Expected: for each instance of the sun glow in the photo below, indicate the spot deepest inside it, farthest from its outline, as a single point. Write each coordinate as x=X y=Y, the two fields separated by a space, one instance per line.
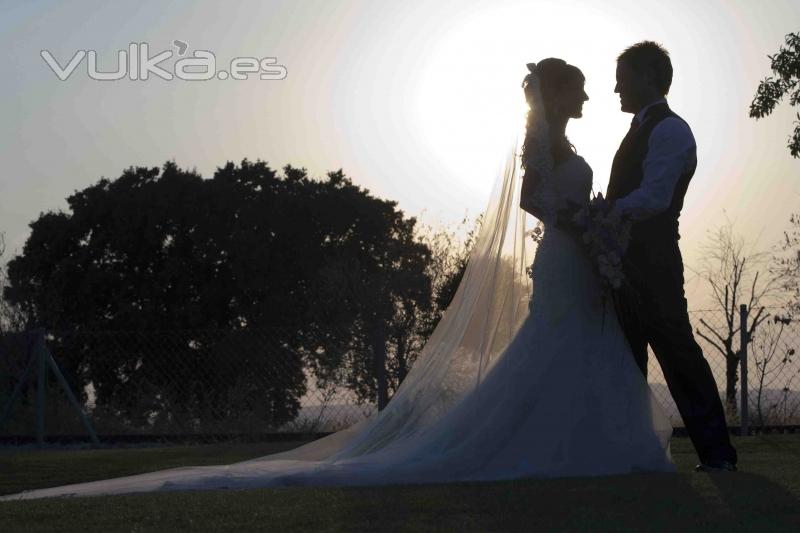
x=470 y=104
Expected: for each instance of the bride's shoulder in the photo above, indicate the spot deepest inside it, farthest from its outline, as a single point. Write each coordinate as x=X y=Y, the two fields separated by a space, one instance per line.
x=579 y=157
x=581 y=165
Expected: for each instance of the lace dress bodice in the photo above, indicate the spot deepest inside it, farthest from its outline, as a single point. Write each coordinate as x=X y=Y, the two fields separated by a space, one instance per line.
x=572 y=180
x=561 y=267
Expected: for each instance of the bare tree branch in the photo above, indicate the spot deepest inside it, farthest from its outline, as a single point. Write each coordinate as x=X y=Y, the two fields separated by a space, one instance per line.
x=731 y=268
x=714 y=344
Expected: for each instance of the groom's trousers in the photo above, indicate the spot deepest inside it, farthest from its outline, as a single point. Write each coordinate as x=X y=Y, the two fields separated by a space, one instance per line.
x=652 y=310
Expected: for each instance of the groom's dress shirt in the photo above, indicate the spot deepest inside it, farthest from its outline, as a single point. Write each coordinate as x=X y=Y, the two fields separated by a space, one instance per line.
x=671 y=151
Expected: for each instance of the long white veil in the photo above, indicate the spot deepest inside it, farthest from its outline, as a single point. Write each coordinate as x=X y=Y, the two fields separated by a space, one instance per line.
x=490 y=304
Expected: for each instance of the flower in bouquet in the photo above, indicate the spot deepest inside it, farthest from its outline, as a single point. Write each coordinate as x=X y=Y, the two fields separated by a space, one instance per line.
x=536 y=234
x=606 y=236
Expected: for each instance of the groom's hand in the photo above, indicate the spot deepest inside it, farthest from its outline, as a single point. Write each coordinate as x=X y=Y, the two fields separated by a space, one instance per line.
x=616 y=212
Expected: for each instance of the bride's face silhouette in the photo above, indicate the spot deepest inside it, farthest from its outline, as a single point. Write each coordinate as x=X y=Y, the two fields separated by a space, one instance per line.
x=570 y=99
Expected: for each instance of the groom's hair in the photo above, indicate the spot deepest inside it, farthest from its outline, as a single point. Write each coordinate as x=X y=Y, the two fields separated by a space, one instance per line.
x=650 y=55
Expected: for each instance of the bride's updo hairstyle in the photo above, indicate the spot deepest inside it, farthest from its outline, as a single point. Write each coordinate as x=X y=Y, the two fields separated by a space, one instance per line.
x=553 y=75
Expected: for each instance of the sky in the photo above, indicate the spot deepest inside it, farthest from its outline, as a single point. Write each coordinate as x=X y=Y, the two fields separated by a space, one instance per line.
x=417 y=101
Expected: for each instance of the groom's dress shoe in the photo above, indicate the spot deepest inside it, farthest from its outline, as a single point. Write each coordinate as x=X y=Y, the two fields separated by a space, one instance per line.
x=716 y=466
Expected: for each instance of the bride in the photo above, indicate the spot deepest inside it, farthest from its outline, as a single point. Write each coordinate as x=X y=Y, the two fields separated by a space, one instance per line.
x=524 y=376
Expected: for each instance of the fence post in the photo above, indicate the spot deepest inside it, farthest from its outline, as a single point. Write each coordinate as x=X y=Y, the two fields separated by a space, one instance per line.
x=745 y=422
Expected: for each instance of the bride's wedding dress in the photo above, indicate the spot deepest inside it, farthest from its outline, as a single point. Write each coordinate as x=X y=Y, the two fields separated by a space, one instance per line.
x=555 y=393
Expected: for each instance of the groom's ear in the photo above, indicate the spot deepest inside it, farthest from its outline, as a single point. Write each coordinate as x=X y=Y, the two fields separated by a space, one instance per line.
x=649 y=76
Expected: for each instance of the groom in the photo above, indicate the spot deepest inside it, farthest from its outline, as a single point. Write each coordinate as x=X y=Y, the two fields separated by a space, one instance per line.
x=649 y=177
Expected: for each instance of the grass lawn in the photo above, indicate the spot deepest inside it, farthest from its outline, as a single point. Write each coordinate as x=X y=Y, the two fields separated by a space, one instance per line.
x=763 y=496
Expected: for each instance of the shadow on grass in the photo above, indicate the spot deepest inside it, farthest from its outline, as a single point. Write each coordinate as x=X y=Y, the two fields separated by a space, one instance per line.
x=660 y=502
x=755 y=498
x=640 y=501
x=765 y=496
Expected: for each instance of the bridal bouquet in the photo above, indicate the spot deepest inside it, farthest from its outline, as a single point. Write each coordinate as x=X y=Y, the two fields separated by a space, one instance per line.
x=606 y=237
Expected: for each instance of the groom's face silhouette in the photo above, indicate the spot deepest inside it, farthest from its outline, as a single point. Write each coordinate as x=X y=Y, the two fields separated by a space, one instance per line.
x=636 y=88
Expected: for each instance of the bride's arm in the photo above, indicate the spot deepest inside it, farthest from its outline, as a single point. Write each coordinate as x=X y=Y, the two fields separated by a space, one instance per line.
x=527 y=200
x=534 y=199
x=534 y=202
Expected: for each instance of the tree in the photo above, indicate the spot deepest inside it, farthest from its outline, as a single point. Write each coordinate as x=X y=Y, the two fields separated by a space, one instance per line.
x=164 y=250
x=385 y=306
x=772 y=357
x=732 y=272
x=13 y=344
x=413 y=324
x=4 y=326
x=785 y=266
x=150 y=251
x=416 y=310
x=786 y=66
x=11 y=317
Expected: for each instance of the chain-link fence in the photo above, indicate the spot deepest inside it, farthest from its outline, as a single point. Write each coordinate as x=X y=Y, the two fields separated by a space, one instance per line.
x=168 y=384
x=772 y=379
x=254 y=381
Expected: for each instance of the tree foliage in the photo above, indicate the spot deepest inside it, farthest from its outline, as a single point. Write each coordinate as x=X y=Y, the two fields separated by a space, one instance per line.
x=340 y=271
x=786 y=67
x=382 y=356
x=11 y=318
x=785 y=265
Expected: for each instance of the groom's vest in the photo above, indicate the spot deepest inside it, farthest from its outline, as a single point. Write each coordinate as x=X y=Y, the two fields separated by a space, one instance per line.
x=627 y=174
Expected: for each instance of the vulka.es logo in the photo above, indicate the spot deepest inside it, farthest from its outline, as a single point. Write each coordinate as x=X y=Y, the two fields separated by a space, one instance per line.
x=136 y=63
